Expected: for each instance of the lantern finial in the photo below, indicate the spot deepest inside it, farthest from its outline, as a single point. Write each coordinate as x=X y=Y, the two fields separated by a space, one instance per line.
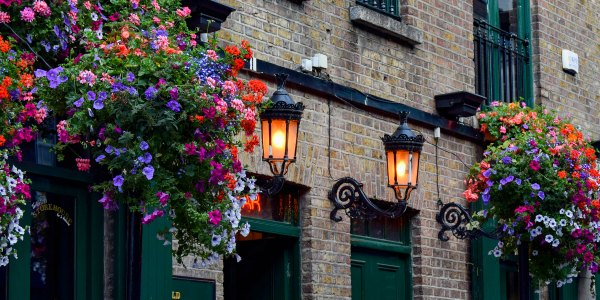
x=403 y=117
x=281 y=78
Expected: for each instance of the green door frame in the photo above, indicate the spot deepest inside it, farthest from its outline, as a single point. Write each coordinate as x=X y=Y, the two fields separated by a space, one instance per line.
x=88 y=243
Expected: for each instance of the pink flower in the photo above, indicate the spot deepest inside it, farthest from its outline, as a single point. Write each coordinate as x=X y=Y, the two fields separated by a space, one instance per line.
x=214 y=217
x=41 y=8
x=162 y=198
x=212 y=54
x=150 y=217
x=184 y=12
x=87 y=5
x=133 y=18
x=502 y=129
x=535 y=165
x=4 y=17
x=27 y=14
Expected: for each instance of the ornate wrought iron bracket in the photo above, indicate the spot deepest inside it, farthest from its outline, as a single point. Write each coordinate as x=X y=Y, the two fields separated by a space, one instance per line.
x=347 y=194
x=455 y=217
x=273 y=185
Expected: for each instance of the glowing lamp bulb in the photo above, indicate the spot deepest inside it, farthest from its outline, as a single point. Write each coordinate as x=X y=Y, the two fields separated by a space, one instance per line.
x=278 y=140
x=401 y=169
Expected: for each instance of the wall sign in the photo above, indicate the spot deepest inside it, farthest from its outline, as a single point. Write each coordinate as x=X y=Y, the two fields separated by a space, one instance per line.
x=570 y=62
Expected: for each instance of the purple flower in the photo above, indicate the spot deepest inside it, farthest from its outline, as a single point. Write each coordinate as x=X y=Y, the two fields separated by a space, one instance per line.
x=150 y=93
x=130 y=77
x=486 y=198
x=507 y=160
x=174 y=92
x=174 y=106
x=148 y=171
x=541 y=195
x=40 y=73
x=100 y=158
x=118 y=181
x=132 y=91
x=518 y=181
x=91 y=96
x=506 y=180
x=535 y=186
x=217 y=174
x=146 y=158
x=102 y=96
x=79 y=102
x=144 y=145
x=109 y=149
x=108 y=203
x=98 y=105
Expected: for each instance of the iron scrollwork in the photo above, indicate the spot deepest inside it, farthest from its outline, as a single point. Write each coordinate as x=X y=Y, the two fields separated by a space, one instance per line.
x=455 y=217
x=347 y=194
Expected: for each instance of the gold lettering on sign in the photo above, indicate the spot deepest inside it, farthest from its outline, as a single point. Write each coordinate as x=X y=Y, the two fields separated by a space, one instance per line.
x=175 y=295
x=60 y=212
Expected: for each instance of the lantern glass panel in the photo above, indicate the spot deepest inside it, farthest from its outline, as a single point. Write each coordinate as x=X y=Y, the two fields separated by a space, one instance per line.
x=415 y=168
x=397 y=167
x=274 y=138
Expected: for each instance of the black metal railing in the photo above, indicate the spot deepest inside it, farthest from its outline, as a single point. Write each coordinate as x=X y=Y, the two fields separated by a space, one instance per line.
x=389 y=7
x=501 y=60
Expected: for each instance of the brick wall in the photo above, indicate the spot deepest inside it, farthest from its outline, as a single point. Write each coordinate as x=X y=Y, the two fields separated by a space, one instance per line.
x=575 y=26
x=283 y=33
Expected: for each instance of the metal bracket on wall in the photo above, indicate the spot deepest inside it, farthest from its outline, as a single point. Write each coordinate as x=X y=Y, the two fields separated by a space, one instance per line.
x=456 y=218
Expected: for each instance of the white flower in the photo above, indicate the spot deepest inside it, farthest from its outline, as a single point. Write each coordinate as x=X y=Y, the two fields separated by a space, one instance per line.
x=12 y=239
x=94 y=16
x=552 y=223
x=569 y=214
x=3 y=261
x=238 y=258
x=2 y=191
x=539 y=218
x=559 y=283
x=216 y=240
x=11 y=182
x=549 y=238
x=534 y=252
x=497 y=252
x=563 y=222
x=555 y=243
x=546 y=219
x=562 y=211
x=246 y=230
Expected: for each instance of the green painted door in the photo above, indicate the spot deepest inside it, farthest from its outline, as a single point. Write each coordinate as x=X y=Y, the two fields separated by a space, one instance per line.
x=61 y=258
x=379 y=275
x=193 y=289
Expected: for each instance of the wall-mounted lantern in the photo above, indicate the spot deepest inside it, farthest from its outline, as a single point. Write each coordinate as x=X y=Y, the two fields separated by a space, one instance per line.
x=403 y=151
x=279 y=125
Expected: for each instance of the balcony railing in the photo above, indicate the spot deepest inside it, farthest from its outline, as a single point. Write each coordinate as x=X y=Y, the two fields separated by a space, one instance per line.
x=501 y=60
x=389 y=7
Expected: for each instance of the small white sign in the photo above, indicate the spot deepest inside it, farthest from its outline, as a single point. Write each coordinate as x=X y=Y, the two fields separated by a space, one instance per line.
x=570 y=62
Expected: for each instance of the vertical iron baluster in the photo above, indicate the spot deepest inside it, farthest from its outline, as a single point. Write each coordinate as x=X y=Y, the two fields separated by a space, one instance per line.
x=511 y=75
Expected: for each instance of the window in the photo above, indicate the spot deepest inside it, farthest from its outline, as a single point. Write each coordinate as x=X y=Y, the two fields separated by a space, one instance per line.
x=502 y=50
x=389 y=7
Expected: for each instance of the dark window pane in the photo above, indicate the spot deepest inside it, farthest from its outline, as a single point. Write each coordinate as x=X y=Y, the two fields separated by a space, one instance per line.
x=52 y=247
x=282 y=207
x=507 y=10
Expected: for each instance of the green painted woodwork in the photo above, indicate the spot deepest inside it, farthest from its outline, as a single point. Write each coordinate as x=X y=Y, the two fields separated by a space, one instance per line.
x=192 y=289
x=566 y=292
x=523 y=32
x=274 y=227
x=381 y=268
x=87 y=242
x=155 y=279
x=381 y=275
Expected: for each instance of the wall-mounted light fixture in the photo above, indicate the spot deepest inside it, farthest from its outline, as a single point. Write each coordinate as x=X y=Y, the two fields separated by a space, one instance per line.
x=279 y=125
x=402 y=151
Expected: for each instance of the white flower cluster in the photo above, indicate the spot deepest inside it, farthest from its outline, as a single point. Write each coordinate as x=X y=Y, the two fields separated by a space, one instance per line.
x=10 y=213
x=224 y=233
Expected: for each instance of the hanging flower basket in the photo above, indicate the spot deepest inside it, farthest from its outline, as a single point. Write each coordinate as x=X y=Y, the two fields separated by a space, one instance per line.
x=160 y=114
x=539 y=182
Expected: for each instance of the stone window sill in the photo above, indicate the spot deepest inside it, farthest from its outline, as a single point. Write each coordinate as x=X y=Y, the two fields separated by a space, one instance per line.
x=385 y=25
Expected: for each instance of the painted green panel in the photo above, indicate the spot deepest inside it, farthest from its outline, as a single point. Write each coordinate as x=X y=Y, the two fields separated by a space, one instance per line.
x=192 y=289
x=155 y=280
x=272 y=227
x=18 y=269
x=380 y=275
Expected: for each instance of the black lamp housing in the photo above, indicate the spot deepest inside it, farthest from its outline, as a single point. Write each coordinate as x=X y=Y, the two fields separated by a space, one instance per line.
x=403 y=149
x=280 y=124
